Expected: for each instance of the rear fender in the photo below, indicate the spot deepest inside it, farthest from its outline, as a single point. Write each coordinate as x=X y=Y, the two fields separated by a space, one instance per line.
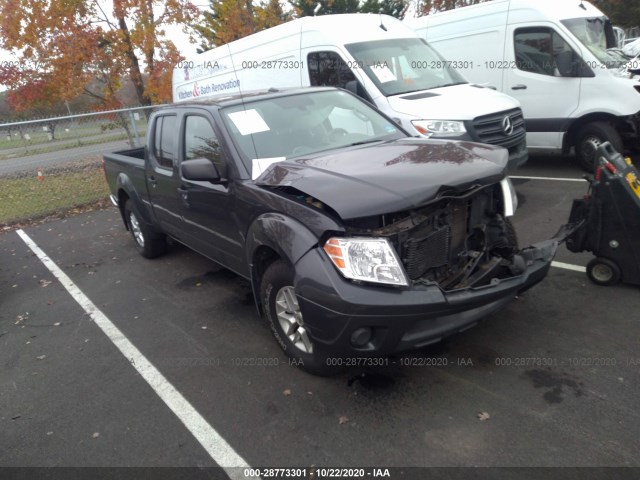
x=127 y=191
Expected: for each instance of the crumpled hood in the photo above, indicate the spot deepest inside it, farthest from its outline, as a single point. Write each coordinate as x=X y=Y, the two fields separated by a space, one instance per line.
x=459 y=102
x=391 y=177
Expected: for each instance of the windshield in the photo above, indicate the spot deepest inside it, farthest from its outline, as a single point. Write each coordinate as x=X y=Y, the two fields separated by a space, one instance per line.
x=598 y=36
x=404 y=65
x=284 y=127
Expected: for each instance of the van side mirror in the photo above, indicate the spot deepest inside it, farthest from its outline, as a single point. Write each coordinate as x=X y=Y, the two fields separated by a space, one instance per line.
x=200 y=170
x=571 y=65
x=355 y=87
x=564 y=62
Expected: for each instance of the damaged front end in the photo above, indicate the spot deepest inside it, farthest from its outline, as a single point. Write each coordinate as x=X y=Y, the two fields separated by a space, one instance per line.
x=456 y=241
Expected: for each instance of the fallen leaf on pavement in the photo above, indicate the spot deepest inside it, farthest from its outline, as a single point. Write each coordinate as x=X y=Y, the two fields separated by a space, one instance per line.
x=483 y=416
x=286 y=392
x=343 y=419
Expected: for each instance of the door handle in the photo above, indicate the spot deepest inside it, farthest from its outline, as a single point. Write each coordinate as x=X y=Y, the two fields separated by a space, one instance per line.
x=519 y=87
x=184 y=196
x=152 y=181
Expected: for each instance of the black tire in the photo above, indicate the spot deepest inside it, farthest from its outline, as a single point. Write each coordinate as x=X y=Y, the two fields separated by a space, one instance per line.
x=276 y=288
x=590 y=137
x=148 y=243
x=604 y=272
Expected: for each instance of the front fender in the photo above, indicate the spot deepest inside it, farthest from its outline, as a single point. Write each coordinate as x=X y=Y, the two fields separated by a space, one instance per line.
x=287 y=237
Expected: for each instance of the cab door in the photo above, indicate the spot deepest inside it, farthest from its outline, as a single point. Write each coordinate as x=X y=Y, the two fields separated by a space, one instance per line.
x=162 y=176
x=543 y=73
x=208 y=209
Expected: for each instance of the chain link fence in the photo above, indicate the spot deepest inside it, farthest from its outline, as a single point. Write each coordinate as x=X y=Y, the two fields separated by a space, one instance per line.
x=52 y=165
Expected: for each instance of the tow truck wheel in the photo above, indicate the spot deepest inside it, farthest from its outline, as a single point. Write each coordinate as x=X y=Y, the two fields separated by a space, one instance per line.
x=603 y=271
x=282 y=312
x=590 y=137
x=148 y=244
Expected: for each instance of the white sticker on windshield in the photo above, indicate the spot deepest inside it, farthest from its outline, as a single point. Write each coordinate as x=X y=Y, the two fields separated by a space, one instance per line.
x=248 y=122
x=383 y=73
x=259 y=165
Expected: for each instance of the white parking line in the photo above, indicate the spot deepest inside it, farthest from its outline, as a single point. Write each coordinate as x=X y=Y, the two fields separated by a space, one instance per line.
x=220 y=451
x=568 y=266
x=549 y=178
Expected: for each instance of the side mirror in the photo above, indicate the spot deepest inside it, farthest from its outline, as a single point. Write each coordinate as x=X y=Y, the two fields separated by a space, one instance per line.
x=200 y=170
x=564 y=62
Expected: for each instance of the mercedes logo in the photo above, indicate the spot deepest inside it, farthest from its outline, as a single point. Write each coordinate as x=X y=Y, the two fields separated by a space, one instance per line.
x=507 y=126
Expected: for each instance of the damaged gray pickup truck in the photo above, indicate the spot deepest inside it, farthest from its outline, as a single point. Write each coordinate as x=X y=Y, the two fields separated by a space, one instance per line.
x=359 y=241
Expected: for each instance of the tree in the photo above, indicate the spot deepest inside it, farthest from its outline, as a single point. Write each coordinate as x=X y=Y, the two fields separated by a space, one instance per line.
x=623 y=14
x=65 y=45
x=230 y=20
x=395 y=8
x=307 y=8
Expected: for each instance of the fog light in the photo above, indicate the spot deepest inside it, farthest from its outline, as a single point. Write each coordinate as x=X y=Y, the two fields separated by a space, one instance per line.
x=361 y=336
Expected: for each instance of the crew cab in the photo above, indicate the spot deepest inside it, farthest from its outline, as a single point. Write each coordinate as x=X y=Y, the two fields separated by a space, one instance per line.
x=358 y=239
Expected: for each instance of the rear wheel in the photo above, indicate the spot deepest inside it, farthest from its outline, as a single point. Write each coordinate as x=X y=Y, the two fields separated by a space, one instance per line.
x=603 y=271
x=283 y=314
x=590 y=137
x=148 y=243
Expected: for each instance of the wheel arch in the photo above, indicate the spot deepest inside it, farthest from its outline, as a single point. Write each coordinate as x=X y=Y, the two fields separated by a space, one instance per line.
x=273 y=237
x=127 y=191
x=577 y=125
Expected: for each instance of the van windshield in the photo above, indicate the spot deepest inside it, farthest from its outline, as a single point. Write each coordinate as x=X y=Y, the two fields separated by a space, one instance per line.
x=282 y=127
x=404 y=65
x=597 y=35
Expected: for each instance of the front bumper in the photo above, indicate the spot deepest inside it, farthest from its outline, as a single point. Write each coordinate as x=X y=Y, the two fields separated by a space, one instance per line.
x=334 y=308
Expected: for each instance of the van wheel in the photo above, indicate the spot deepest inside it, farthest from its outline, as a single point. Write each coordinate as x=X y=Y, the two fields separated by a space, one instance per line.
x=283 y=314
x=590 y=137
x=603 y=271
x=148 y=244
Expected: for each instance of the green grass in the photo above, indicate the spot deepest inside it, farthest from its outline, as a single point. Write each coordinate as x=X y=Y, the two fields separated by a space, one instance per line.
x=28 y=198
x=40 y=137
x=67 y=146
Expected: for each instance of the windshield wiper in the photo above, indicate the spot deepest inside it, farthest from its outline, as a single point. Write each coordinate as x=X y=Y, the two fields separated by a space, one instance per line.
x=363 y=142
x=449 y=85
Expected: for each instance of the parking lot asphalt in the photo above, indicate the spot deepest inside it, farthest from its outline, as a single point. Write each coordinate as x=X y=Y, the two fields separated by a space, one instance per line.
x=552 y=380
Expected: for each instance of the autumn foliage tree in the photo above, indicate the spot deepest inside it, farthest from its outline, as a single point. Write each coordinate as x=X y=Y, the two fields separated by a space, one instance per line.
x=229 y=20
x=70 y=47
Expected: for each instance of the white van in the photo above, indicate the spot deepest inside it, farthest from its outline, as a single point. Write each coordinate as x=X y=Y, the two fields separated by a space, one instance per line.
x=374 y=56
x=552 y=56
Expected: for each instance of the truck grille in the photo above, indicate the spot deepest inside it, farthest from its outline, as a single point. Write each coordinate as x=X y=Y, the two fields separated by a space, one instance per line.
x=491 y=128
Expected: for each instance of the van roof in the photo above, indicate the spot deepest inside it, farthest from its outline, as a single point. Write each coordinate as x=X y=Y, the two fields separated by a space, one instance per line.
x=544 y=9
x=338 y=29
x=229 y=100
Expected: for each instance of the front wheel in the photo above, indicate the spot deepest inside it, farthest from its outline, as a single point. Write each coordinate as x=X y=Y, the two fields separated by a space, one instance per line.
x=590 y=137
x=148 y=244
x=603 y=271
x=283 y=314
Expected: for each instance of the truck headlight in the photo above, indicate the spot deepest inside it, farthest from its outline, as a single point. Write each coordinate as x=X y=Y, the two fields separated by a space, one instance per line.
x=509 y=197
x=366 y=259
x=439 y=128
